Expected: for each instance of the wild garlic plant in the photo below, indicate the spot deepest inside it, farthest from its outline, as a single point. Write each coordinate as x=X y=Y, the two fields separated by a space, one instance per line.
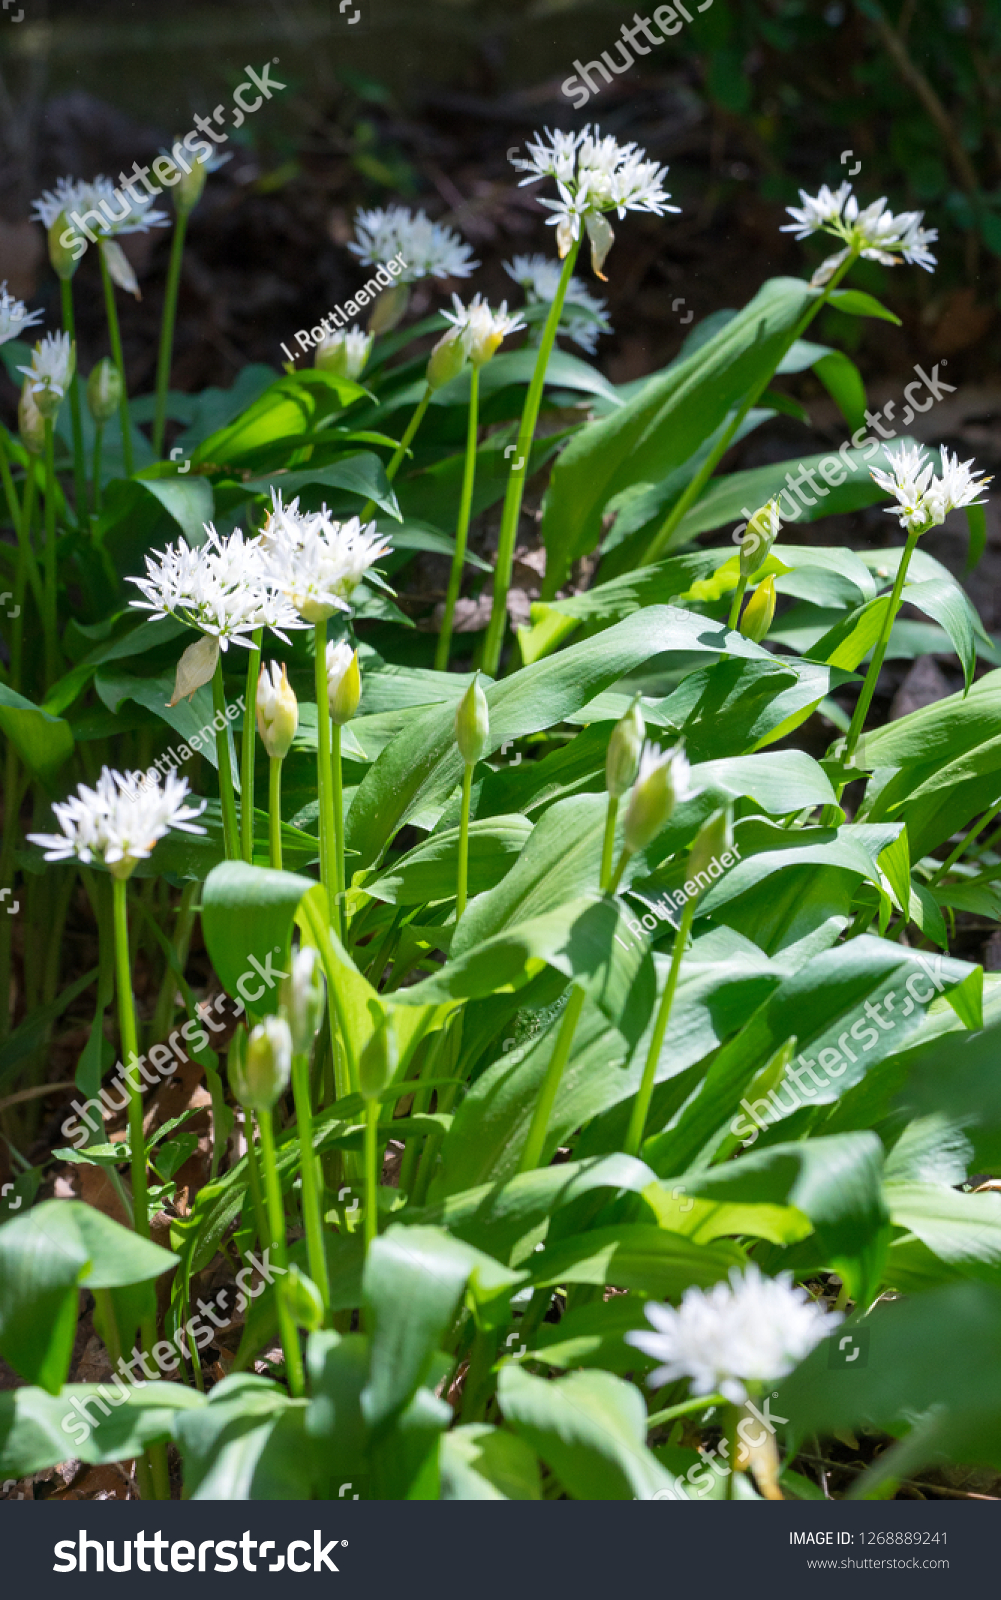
x=552 y=966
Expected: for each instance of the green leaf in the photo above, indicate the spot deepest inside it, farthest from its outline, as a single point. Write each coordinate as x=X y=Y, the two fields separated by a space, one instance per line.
x=963 y=1229
x=659 y=428
x=188 y=500
x=291 y=406
x=843 y=382
x=479 y=1462
x=428 y=872
x=976 y=521
x=589 y=1429
x=247 y=915
x=37 y=1428
x=635 y=1256
x=28 y=1035
x=856 y=303
x=362 y=475
x=246 y=1443
x=43 y=742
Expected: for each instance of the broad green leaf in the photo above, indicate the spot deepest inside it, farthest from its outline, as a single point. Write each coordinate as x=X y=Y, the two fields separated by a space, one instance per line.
x=37 y=1428
x=856 y=303
x=479 y=1462
x=428 y=872
x=43 y=742
x=246 y=1443
x=361 y=475
x=589 y=1429
x=291 y=406
x=247 y=915
x=963 y=1229
x=635 y=1256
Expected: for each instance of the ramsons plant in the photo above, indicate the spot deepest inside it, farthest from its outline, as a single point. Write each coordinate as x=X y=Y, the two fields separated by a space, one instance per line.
x=577 y=1097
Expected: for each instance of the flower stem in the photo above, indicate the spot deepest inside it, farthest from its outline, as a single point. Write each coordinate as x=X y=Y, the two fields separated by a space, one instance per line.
x=275 y=811
x=324 y=782
x=130 y=1055
x=738 y=595
x=641 y=1105
x=402 y=447
x=964 y=844
x=256 y=1187
x=20 y=516
x=519 y=474
x=624 y=860
x=114 y=335
x=661 y=540
x=227 y=799
x=96 y=468
x=312 y=1211
x=249 y=750
x=462 y=526
x=276 y=1216
x=371 y=1171
x=869 y=686
x=337 y=797
x=535 y=1143
x=608 y=844
x=462 y=873
x=49 y=613
x=167 y=330
x=79 y=469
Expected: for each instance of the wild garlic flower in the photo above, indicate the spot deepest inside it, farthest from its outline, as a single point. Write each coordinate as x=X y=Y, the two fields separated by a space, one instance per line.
x=118 y=210
x=874 y=233
x=222 y=588
x=344 y=352
x=120 y=819
x=315 y=562
x=14 y=317
x=539 y=276
x=924 y=501
x=482 y=331
x=51 y=372
x=750 y=1330
x=429 y=249
x=593 y=175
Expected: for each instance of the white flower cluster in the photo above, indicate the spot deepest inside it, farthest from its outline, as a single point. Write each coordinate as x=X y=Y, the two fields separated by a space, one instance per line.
x=429 y=249
x=874 y=233
x=750 y=1330
x=314 y=562
x=924 y=501
x=593 y=175
x=222 y=588
x=539 y=276
x=52 y=364
x=481 y=329
x=14 y=317
x=120 y=820
x=125 y=213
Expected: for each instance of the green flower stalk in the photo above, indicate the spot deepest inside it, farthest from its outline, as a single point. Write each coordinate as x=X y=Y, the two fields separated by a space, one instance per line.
x=531 y=1155
x=277 y=722
x=259 y=1070
x=49 y=377
x=187 y=190
x=104 y=395
x=482 y=332
x=376 y=1068
x=249 y=750
x=227 y=794
x=115 y=337
x=713 y=840
x=303 y=997
x=343 y=698
x=472 y=735
x=64 y=264
x=622 y=763
x=923 y=502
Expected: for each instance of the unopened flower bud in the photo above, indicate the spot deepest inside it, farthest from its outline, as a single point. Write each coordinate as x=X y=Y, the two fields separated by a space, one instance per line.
x=602 y=237
x=104 y=390
x=64 y=261
x=303 y=994
x=345 y=354
x=389 y=309
x=759 y=611
x=303 y=1299
x=343 y=682
x=713 y=840
x=472 y=723
x=624 y=750
x=277 y=710
x=260 y=1066
x=663 y=780
x=378 y=1062
x=759 y=536
x=30 y=423
x=189 y=188
x=447 y=359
